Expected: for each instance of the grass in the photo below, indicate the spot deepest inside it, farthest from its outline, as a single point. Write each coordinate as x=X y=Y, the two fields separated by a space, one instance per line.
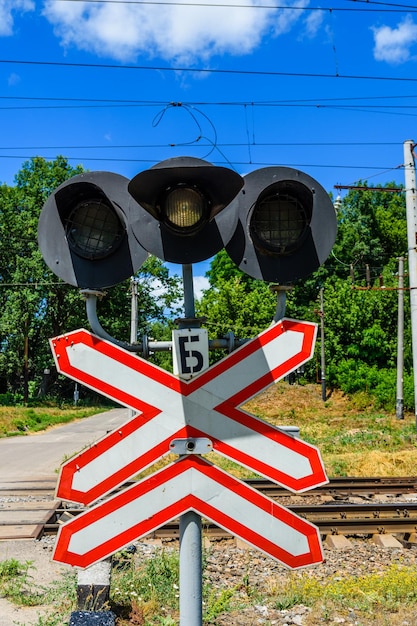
x=20 y=420
x=145 y=592
x=373 y=598
x=18 y=586
x=354 y=439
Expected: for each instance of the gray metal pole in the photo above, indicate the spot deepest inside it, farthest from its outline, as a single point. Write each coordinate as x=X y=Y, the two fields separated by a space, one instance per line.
x=191 y=598
x=411 y=207
x=133 y=319
x=191 y=576
x=133 y=310
x=323 y=356
x=399 y=405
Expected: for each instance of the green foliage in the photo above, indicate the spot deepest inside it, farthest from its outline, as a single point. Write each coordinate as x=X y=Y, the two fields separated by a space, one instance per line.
x=16 y=583
x=230 y=306
x=354 y=375
x=360 y=322
x=372 y=227
x=10 y=569
x=35 y=305
x=388 y=590
x=153 y=581
x=18 y=586
x=218 y=602
x=19 y=420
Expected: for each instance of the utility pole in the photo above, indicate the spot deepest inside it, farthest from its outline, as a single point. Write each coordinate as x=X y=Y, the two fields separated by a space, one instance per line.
x=133 y=319
x=133 y=310
x=411 y=208
x=323 y=357
x=399 y=405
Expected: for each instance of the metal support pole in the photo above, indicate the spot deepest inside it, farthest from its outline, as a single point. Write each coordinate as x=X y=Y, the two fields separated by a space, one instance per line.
x=281 y=292
x=191 y=600
x=411 y=207
x=191 y=577
x=133 y=310
x=323 y=356
x=399 y=405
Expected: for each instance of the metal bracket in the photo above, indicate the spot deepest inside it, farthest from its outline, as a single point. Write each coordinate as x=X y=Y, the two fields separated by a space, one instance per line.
x=200 y=445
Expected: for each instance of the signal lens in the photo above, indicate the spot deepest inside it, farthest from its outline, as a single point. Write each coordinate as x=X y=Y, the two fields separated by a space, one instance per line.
x=279 y=221
x=184 y=208
x=93 y=229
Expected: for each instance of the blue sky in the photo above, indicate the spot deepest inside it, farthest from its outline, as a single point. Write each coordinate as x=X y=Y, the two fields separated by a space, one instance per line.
x=330 y=89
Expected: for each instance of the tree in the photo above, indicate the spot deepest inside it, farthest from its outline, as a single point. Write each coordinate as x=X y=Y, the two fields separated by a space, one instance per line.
x=27 y=287
x=235 y=301
x=35 y=305
x=372 y=229
x=360 y=322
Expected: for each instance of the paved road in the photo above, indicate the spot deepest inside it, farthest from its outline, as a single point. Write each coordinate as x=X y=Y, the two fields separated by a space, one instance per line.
x=40 y=455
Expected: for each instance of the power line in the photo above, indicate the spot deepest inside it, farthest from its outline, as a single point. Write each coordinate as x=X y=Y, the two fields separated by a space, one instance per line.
x=393 y=109
x=228 y=72
x=254 y=144
x=245 y=163
x=255 y=103
x=385 y=4
x=394 y=8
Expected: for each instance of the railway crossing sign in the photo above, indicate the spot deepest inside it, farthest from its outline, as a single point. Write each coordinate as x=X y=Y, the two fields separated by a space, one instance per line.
x=169 y=409
x=206 y=406
x=189 y=484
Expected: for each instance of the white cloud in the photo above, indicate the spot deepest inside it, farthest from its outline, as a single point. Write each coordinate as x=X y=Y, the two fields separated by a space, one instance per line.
x=286 y=18
x=200 y=284
x=313 y=23
x=183 y=34
x=7 y=9
x=393 y=45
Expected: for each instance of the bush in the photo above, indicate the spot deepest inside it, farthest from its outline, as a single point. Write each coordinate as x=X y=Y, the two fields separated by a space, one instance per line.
x=354 y=376
x=10 y=399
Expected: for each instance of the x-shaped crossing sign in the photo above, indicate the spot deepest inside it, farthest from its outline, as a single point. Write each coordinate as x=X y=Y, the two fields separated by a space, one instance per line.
x=169 y=408
x=189 y=484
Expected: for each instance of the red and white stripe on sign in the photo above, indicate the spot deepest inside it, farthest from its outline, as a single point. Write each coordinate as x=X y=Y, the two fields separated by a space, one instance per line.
x=206 y=406
x=189 y=484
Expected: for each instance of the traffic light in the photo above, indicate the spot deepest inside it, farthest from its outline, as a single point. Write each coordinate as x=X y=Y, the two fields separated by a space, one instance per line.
x=277 y=224
x=85 y=233
x=184 y=198
x=286 y=225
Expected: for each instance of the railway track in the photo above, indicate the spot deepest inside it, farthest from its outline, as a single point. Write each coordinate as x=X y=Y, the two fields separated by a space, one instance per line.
x=346 y=506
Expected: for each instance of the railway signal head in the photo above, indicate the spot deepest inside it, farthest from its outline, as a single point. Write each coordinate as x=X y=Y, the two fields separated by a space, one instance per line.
x=286 y=225
x=277 y=224
x=85 y=234
x=184 y=199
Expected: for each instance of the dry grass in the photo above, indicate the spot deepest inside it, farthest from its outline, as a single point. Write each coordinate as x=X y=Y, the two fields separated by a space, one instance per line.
x=354 y=439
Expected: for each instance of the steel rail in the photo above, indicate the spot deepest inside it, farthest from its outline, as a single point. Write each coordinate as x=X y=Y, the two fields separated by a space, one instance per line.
x=332 y=517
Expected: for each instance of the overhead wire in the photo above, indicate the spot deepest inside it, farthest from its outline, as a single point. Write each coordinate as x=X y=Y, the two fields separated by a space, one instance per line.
x=198 y=70
x=149 y=103
x=385 y=4
x=362 y=104
x=236 y=162
x=393 y=8
x=253 y=143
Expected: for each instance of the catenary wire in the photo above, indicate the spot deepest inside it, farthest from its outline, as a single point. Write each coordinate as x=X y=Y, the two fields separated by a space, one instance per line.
x=389 y=7
x=197 y=70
